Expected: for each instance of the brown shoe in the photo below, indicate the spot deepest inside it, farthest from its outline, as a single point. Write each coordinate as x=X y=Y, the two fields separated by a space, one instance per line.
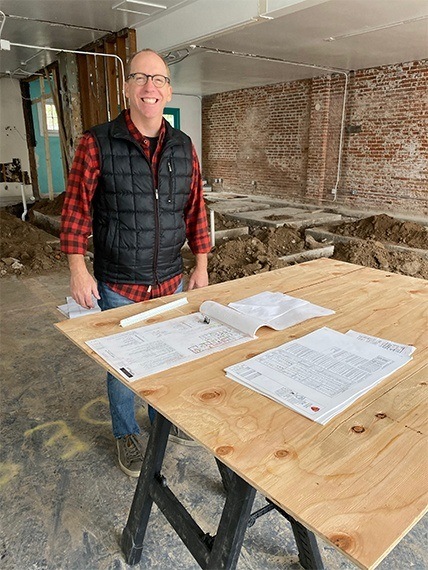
x=130 y=451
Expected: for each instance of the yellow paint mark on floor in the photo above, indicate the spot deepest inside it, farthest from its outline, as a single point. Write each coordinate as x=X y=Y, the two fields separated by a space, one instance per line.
x=84 y=412
x=7 y=472
x=72 y=445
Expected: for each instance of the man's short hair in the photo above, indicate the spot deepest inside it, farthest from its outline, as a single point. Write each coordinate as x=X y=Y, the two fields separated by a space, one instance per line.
x=131 y=57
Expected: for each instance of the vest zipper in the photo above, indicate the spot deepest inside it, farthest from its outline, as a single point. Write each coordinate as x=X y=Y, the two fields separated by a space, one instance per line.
x=170 y=182
x=156 y=252
x=156 y=192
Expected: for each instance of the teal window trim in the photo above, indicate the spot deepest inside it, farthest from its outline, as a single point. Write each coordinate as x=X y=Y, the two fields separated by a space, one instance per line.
x=175 y=113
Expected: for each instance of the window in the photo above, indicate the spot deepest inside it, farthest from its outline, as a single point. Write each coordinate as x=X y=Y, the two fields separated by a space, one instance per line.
x=51 y=118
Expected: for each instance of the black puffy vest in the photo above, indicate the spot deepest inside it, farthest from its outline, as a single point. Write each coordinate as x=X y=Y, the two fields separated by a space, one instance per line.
x=139 y=230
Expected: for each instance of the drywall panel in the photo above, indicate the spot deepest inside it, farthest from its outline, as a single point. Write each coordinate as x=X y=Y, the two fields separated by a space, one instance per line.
x=13 y=142
x=190 y=118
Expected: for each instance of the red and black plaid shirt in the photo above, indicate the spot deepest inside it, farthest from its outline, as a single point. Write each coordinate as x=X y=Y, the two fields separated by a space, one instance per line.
x=77 y=219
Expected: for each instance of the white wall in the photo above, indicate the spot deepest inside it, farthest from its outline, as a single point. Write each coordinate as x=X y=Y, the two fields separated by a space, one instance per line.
x=190 y=118
x=13 y=142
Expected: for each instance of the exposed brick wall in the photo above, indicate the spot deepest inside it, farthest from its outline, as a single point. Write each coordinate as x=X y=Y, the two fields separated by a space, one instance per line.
x=259 y=135
x=285 y=138
x=386 y=164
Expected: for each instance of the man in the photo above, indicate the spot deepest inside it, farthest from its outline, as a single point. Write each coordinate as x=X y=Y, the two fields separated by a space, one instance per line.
x=135 y=183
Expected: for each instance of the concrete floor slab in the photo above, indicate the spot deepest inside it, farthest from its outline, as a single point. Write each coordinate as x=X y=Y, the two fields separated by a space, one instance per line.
x=289 y=217
x=321 y=234
x=231 y=233
x=308 y=254
x=230 y=206
x=219 y=196
x=64 y=499
x=51 y=223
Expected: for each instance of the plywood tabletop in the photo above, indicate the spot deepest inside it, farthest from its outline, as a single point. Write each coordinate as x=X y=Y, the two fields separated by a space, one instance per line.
x=360 y=481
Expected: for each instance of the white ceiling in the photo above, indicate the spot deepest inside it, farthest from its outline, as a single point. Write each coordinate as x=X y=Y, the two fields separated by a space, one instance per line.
x=343 y=34
x=67 y=24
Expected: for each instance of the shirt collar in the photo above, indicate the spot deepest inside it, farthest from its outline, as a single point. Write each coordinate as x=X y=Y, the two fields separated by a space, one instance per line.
x=141 y=139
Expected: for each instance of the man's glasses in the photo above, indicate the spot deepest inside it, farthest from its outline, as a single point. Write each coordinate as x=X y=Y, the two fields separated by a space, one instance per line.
x=142 y=78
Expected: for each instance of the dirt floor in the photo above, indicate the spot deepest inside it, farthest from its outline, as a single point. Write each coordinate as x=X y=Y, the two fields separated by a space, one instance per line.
x=370 y=251
x=386 y=229
x=25 y=249
x=262 y=250
x=247 y=255
x=50 y=207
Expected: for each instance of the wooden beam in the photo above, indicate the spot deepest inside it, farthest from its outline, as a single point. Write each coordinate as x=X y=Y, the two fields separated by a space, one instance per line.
x=30 y=135
x=122 y=53
x=112 y=79
x=46 y=140
x=82 y=64
x=101 y=85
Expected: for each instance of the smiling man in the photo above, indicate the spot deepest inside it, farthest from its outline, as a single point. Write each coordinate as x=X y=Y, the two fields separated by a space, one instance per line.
x=135 y=184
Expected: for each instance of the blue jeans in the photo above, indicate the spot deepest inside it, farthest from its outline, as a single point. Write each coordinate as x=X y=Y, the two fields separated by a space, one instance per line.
x=121 y=398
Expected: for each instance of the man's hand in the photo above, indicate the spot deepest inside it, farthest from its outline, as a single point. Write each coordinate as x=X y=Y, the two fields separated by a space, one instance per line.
x=199 y=277
x=82 y=284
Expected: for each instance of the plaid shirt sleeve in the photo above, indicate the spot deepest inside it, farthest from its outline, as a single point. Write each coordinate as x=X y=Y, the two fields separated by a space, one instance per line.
x=76 y=220
x=195 y=212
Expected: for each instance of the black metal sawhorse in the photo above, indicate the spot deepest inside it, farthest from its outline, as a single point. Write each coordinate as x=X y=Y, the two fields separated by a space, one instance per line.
x=219 y=552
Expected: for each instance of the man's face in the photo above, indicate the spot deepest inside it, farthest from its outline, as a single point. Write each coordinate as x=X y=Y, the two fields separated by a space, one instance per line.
x=147 y=100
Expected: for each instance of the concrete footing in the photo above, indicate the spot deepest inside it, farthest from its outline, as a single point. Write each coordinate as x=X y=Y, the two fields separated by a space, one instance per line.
x=288 y=217
x=321 y=234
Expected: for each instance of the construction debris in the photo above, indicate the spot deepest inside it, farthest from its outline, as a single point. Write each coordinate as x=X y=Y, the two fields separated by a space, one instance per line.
x=26 y=249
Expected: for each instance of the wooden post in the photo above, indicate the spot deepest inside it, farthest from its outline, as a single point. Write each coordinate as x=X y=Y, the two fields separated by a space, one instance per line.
x=112 y=74
x=46 y=138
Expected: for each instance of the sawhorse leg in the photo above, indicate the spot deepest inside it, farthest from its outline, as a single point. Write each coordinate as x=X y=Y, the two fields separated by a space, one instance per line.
x=220 y=552
x=135 y=530
x=212 y=553
x=309 y=554
x=233 y=524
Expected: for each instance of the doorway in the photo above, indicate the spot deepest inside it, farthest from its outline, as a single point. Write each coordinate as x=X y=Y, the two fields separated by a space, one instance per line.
x=51 y=173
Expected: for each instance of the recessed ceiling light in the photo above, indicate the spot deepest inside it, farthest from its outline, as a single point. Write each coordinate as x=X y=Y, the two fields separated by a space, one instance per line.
x=138 y=2
x=132 y=11
x=160 y=6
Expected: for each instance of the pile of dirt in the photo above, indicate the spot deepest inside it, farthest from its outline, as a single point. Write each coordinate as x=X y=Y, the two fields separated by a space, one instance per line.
x=248 y=255
x=25 y=249
x=223 y=223
x=384 y=228
x=50 y=207
x=280 y=241
x=372 y=253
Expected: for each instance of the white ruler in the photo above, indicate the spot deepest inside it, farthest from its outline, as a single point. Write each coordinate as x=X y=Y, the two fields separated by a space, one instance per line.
x=153 y=312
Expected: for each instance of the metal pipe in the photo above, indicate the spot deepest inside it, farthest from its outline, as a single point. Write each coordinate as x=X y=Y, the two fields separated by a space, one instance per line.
x=342 y=130
x=298 y=64
x=212 y=227
x=24 y=202
x=60 y=50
